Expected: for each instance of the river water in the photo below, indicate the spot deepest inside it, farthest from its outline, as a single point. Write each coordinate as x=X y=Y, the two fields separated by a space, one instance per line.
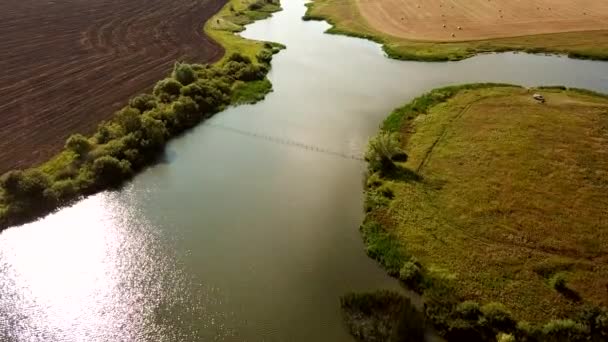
x=248 y=229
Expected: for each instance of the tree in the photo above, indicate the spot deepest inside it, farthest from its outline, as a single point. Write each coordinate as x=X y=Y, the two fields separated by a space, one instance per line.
x=187 y=112
x=79 y=144
x=111 y=171
x=143 y=102
x=183 y=73
x=129 y=119
x=167 y=90
x=383 y=150
x=154 y=132
x=237 y=57
x=25 y=186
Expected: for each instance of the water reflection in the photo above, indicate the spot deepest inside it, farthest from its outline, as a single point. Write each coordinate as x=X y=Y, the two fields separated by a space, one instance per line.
x=96 y=272
x=240 y=234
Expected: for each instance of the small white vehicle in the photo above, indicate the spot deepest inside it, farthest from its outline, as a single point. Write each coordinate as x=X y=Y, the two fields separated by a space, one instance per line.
x=539 y=98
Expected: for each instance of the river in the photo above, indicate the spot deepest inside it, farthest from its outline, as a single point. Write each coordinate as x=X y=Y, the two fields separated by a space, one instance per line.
x=248 y=228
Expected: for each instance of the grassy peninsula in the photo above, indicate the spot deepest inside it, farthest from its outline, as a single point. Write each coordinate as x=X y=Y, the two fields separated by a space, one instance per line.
x=346 y=19
x=137 y=134
x=492 y=205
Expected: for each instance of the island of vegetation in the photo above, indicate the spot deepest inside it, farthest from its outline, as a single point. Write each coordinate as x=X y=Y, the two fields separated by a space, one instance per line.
x=440 y=30
x=490 y=203
x=136 y=135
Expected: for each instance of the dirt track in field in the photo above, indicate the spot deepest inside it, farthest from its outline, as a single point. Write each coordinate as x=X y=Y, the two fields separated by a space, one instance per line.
x=66 y=65
x=482 y=19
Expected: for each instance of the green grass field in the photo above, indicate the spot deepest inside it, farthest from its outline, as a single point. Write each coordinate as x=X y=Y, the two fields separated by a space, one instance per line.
x=345 y=18
x=232 y=18
x=511 y=197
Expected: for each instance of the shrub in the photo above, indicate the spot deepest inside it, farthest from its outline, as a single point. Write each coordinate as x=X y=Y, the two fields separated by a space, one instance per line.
x=187 y=113
x=558 y=282
x=502 y=337
x=111 y=171
x=386 y=191
x=469 y=310
x=373 y=181
x=381 y=150
x=564 y=330
x=103 y=134
x=255 y=6
x=79 y=144
x=527 y=332
x=264 y=56
x=242 y=71
x=210 y=96
x=601 y=324
x=383 y=248
x=498 y=317
x=64 y=189
x=154 y=133
x=237 y=57
x=183 y=73
x=167 y=90
x=26 y=186
x=410 y=274
x=382 y=316
x=143 y=102
x=129 y=119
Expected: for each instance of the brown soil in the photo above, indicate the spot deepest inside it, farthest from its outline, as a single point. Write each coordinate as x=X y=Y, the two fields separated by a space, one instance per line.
x=69 y=64
x=482 y=19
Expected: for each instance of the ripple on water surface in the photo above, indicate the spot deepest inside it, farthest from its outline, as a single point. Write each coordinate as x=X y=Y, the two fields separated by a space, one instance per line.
x=105 y=276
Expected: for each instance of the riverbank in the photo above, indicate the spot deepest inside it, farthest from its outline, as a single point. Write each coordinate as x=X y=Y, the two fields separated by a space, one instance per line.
x=346 y=18
x=495 y=214
x=136 y=135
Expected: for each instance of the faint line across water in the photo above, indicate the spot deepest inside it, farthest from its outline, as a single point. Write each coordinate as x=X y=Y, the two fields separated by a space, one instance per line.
x=287 y=142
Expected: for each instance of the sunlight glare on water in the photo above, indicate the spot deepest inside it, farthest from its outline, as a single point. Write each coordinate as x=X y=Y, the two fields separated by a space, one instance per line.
x=247 y=230
x=95 y=273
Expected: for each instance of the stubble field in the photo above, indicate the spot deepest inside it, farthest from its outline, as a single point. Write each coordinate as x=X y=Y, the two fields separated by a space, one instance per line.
x=482 y=19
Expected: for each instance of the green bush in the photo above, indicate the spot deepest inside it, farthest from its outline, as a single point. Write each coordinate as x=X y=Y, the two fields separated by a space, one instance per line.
x=144 y=102
x=154 y=133
x=237 y=57
x=64 y=190
x=381 y=150
x=187 y=113
x=183 y=73
x=410 y=274
x=374 y=181
x=502 y=337
x=25 y=186
x=79 y=144
x=469 y=310
x=167 y=90
x=498 y=317
x=110 y=171
x=383 y=248
x=386 y=191
x=129 y=119
x=264 y=56
x=564 y=331
x=382 y=316
x=558 y=282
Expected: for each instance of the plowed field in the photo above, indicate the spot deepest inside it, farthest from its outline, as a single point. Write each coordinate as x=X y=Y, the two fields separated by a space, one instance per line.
x=66 y=65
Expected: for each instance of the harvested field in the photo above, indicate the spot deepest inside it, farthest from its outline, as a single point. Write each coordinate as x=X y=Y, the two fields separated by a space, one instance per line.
x=482 y=19
x=576 y=28
x=67 y=65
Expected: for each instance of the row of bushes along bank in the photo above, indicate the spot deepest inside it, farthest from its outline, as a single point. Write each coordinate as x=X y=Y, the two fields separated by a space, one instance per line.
x=134 y=137
x=455 y=319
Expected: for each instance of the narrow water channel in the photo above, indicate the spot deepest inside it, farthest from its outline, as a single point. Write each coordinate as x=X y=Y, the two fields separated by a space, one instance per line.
x=248 y=230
